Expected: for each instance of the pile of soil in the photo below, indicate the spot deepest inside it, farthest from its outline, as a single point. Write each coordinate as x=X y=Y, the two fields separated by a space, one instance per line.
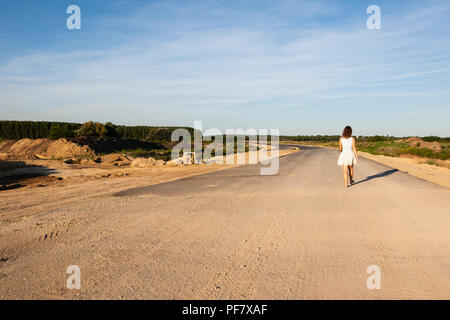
x=24 y=148
x=419 y=143
x=43 y=149
x=63 y=148
x=116 y=159
x=146 y=162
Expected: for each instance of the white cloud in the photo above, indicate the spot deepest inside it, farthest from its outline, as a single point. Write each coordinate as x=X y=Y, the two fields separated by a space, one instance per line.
x=208 y=66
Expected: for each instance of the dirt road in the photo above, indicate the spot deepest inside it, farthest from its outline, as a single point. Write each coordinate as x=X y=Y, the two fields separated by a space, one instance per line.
x=234 y=234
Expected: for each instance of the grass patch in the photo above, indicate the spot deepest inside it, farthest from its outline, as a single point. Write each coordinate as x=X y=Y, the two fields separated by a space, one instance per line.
x=385 y=148
x=395 y=149
x=427 y=153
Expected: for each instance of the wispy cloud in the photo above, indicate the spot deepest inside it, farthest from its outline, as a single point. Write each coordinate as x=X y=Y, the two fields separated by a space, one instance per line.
x=175 y=63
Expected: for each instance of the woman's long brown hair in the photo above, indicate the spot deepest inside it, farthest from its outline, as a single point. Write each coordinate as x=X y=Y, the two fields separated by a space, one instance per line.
x=347 y=133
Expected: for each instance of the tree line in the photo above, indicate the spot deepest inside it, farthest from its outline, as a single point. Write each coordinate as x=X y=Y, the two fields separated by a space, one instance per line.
x=334 y=138
x=321 y=138
x=376 y=138
x=56 y=130
x=34 y=129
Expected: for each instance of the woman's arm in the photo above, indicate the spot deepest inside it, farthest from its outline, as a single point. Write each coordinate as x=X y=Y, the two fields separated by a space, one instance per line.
x=340 y=145
x=354 y=148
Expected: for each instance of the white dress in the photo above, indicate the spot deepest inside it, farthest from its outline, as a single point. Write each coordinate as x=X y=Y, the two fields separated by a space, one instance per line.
x=347 y=156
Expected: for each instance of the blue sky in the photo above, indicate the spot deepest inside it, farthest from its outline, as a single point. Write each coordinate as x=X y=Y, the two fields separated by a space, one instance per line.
x=305 y=67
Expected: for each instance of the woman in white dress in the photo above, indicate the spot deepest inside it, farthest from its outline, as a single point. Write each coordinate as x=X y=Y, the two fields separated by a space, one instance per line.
x=349 y=155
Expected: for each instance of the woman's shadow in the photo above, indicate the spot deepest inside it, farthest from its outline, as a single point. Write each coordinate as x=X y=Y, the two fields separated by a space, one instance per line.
x=378 y=175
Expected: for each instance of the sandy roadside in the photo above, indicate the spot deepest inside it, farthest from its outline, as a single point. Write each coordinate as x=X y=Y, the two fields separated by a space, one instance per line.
x=69 y=185
x=432 y=173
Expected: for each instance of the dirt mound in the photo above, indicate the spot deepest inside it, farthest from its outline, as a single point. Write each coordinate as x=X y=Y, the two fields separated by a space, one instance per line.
x=116 y=159
x=146 y=162
x=187 y=158
x=25 y=148
x=63 y=148
x=43 y=148
x=419 y=143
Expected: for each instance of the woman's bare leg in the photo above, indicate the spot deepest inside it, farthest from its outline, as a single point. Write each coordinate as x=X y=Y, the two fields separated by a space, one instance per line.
x=345 y=169
x=351 y=174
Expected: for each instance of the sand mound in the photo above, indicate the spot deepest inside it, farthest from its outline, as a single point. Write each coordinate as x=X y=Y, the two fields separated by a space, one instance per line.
x=187 y=158
x=116 y=159
x=43 y=148
x=419 y=143
x=144 y=162
x=63 y=148
x=25 y=148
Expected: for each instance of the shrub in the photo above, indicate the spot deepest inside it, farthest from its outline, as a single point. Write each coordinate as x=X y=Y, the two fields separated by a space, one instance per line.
x=427 y=153
x=434 y=138
x=92 y=129
x=110 y=130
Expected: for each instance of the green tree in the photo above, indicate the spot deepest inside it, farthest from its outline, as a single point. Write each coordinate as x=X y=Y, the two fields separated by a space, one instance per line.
x=92 y=129
x=60 y=131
